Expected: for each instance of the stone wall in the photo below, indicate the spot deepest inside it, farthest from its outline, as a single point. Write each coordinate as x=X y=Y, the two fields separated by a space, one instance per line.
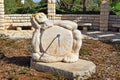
x=93 y=19
x=113 y=19
x=16 y=18
x=22 y=18
x=79 y=18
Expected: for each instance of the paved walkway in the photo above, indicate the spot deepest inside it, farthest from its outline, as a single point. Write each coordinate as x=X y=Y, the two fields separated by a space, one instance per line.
x=13 y=34
x=97 y=35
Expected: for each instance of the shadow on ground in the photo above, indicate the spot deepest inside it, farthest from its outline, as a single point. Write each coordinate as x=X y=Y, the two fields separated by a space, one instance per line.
x=19 y=60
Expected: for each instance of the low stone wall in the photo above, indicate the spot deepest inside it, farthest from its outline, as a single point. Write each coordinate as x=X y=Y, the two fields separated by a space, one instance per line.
x=22 y=18
x=93 y=19
x=114 y=19
x=16 y=18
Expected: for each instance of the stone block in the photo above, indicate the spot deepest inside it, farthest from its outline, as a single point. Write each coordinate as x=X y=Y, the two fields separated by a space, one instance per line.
x=16 y=20
x=9 y=21
x=57 y=18
x=23 y=20
x=1 y=1
x=51 y=6
x=79 y=70
x=51 y=14
x=51 y=11
x=1 y=6
x=1 y=13
x=2 y=10
x=19 y=28
x=7 y=18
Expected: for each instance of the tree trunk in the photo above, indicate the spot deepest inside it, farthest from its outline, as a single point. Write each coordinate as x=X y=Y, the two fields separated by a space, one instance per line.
x=84 y=6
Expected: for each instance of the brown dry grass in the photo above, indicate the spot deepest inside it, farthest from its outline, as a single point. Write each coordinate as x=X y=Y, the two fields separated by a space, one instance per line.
x=16 y=63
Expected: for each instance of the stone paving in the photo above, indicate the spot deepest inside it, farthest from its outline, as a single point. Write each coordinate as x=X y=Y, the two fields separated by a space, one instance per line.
x=97 y=35
x=13 y=34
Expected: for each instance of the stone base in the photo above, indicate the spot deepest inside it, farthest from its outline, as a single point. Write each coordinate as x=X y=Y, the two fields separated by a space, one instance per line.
x=81 y=69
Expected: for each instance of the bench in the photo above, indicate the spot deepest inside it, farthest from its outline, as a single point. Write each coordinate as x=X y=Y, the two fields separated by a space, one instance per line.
x=116 y=26
x=85 y=25
x=20 y=25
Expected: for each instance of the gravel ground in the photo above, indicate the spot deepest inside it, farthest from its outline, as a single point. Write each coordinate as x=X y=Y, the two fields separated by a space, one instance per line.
x=15 y=60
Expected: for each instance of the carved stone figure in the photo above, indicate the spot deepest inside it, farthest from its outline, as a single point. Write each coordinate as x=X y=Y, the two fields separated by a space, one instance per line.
x=55 y=40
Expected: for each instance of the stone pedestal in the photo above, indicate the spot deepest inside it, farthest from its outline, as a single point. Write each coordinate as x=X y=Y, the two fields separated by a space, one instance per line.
x=79 y=70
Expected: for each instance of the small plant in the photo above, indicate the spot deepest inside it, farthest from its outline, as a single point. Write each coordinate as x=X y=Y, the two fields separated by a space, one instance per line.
x=13 y=77
x=2 y=54
x=76 y=77
x=35 y=79
x=84 y=51
x=24 y=70
x=60 y=76
x=50 y=76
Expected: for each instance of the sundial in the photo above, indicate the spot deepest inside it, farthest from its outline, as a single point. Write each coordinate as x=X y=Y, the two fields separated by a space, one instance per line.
x=57 y=41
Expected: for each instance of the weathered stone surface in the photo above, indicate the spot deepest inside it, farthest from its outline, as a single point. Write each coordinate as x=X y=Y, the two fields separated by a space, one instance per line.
x=57 y=48
x=81 y=69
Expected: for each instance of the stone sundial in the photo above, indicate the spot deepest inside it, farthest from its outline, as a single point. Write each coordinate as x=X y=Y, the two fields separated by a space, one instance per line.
x=61 y=41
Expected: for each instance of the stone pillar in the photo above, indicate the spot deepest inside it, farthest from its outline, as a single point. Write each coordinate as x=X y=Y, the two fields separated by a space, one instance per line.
x=1 y=14
x=51 y=9
x=104 y=15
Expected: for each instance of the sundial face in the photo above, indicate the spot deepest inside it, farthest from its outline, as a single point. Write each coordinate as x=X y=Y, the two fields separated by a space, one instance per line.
x=61 y=41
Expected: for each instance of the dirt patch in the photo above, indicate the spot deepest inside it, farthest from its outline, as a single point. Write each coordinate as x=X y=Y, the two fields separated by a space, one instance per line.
x=15 y=63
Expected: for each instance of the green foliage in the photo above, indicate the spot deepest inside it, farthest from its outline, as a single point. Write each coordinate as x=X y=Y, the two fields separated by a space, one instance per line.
x=15 y=7
x=67 y=11
x=115 y=7
x=77 y=7
x=62 y=7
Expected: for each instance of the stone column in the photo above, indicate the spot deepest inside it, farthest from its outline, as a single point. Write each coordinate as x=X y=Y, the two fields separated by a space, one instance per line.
x=1 y=14
x=51 y=9
x=104 y=15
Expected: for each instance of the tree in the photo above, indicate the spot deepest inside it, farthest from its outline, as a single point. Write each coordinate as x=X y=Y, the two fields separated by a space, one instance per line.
x=115 y=7
x=79 y=5
x=68 y=4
